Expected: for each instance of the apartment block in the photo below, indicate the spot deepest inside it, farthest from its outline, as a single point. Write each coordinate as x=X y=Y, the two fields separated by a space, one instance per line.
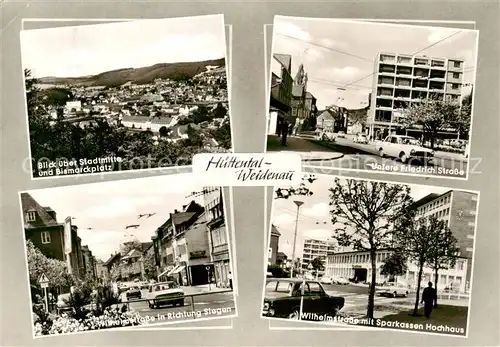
x=316 y=249
x=401 y=80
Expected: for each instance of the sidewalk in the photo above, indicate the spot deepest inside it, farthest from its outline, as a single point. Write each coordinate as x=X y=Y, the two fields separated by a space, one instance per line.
x=316 y=156
x=188 y=290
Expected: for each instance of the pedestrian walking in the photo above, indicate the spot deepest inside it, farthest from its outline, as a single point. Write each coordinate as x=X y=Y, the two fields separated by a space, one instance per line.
x=429 y=295
x=284 y=133
x=230 y=277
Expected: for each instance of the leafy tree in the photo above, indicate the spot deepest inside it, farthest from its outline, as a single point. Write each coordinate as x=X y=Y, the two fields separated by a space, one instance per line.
x=150 y=265
x=365 y=212
x=443 y=253
x=435 y=115
x=223 y=135
x=55 y=270
x=417 y=237
x=79 y=298
x=317 y=264
x=130 y=245
x=220 y=111
x=194 y=136
x=395 y=264
x=105 y=297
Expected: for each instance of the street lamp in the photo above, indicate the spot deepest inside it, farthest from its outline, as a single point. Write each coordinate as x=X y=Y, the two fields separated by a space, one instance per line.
x=298 y=203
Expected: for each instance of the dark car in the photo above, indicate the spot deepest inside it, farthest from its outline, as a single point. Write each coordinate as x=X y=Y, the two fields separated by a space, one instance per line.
x=283 y=299
x=134 y=293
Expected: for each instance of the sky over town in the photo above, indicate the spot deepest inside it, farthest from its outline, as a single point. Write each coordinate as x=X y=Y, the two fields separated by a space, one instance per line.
x=109 y=207
x=91 y=49
x=314 y=215
x=343 y=52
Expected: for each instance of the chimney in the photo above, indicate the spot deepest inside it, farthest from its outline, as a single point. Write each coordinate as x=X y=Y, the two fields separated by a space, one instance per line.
x=176 y=211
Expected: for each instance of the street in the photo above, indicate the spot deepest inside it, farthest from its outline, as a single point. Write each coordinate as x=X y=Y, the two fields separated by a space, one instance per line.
x=356 y=156
x=356 y=301
x=211 y=305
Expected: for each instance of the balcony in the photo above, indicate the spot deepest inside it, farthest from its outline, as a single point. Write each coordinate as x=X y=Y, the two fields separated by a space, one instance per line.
x=220 y=248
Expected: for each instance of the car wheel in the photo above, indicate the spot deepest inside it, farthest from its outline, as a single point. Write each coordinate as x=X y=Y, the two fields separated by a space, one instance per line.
x=294 y=314
x=381 y=152
x=403 y=157
x=394 y=294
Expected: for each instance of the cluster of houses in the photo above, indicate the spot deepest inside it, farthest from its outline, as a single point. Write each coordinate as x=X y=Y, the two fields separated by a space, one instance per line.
x=158 y=107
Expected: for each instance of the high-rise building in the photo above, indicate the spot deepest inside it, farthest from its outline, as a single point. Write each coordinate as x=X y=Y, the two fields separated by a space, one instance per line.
x=316 y=249
x=458 y=208
x=401 y=80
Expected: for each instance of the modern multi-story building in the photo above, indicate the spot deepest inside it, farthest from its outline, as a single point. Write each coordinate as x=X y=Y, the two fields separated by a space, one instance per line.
x=400 y=80
x=459 y=209
x=316 y=249
x=280 y=99
x=356 y=265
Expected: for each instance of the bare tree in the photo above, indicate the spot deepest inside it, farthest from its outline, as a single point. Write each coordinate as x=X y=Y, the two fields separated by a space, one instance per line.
x=366 y=212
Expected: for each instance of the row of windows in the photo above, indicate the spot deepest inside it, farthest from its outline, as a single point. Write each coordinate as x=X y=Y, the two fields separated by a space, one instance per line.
x=219 y=237
x=445 y=200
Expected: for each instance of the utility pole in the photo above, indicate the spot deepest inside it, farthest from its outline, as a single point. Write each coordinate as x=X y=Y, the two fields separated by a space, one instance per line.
x=298 y=203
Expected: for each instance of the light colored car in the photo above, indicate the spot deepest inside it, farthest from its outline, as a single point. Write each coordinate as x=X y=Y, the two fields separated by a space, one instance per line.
x=326 y=136
x=165 y=293
x=360 y=138
x=326 y=280
x=404 y=148
x=62 y=303
x=342 y=280
x=341 y=134
x=393 y=289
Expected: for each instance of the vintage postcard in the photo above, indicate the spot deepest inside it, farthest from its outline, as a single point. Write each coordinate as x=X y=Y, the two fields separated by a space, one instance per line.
x=127 y=253
x=134 y=95
x=353 y=252
x=381 y=97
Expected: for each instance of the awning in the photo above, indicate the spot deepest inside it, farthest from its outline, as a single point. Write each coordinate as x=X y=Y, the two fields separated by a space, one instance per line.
x=163 y=273
x=177 y=270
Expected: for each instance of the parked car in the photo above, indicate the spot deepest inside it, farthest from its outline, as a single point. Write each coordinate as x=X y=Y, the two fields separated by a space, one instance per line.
x=404 y=148
x=326 y=280
x=341 y=134
x=283 y=299
x=342 y=280
x=134 y=292
x=165 y=293
x=326 y=136
x=392 y=289
x=361 y=138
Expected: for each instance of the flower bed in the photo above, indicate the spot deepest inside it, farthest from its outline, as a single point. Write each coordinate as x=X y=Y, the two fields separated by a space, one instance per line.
x=111 y=318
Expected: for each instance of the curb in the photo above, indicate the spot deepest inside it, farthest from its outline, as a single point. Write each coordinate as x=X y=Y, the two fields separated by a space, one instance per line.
x=337 y=156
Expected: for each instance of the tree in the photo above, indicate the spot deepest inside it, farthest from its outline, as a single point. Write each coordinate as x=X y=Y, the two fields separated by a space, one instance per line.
x=433 y=116
x=417 y=237
x=366 y=212
x=130 y=245
x=150 y=265
x=317 y=264
x=395 y=264
x=443 y=253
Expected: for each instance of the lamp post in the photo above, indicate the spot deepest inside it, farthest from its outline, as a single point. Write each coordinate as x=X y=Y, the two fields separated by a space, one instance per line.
x=298 y=203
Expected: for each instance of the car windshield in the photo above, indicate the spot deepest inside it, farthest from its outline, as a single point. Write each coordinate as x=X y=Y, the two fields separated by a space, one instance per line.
x=408 y=141
x=163 y=286
x=279 y=287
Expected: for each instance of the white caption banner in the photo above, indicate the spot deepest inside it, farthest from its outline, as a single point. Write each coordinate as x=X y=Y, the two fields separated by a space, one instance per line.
x=247 y=169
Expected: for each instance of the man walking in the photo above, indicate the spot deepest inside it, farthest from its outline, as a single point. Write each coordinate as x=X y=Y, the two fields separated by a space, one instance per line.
x=429 y=295
x=230 y=277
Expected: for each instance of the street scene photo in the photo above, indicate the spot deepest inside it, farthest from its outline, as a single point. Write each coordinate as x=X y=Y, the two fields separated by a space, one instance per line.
x=142 y=94
x=367 y=96
x=352 y=252
x=127 y=253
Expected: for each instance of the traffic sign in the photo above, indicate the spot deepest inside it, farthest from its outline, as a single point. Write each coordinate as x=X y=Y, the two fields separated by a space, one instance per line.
x=43 y=280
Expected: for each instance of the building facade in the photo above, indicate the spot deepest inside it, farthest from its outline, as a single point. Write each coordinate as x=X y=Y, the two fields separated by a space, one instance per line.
x=357 y=266
x=219 y=237
x=458 y=209
x=313 y=249
x=280 y=99
x=273 y=246
x=401 y=80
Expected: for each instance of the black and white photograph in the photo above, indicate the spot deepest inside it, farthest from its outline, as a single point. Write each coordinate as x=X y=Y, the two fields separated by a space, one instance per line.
x=371 y=96
x=371 y=254
x=133 y=95
x=131 y=253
